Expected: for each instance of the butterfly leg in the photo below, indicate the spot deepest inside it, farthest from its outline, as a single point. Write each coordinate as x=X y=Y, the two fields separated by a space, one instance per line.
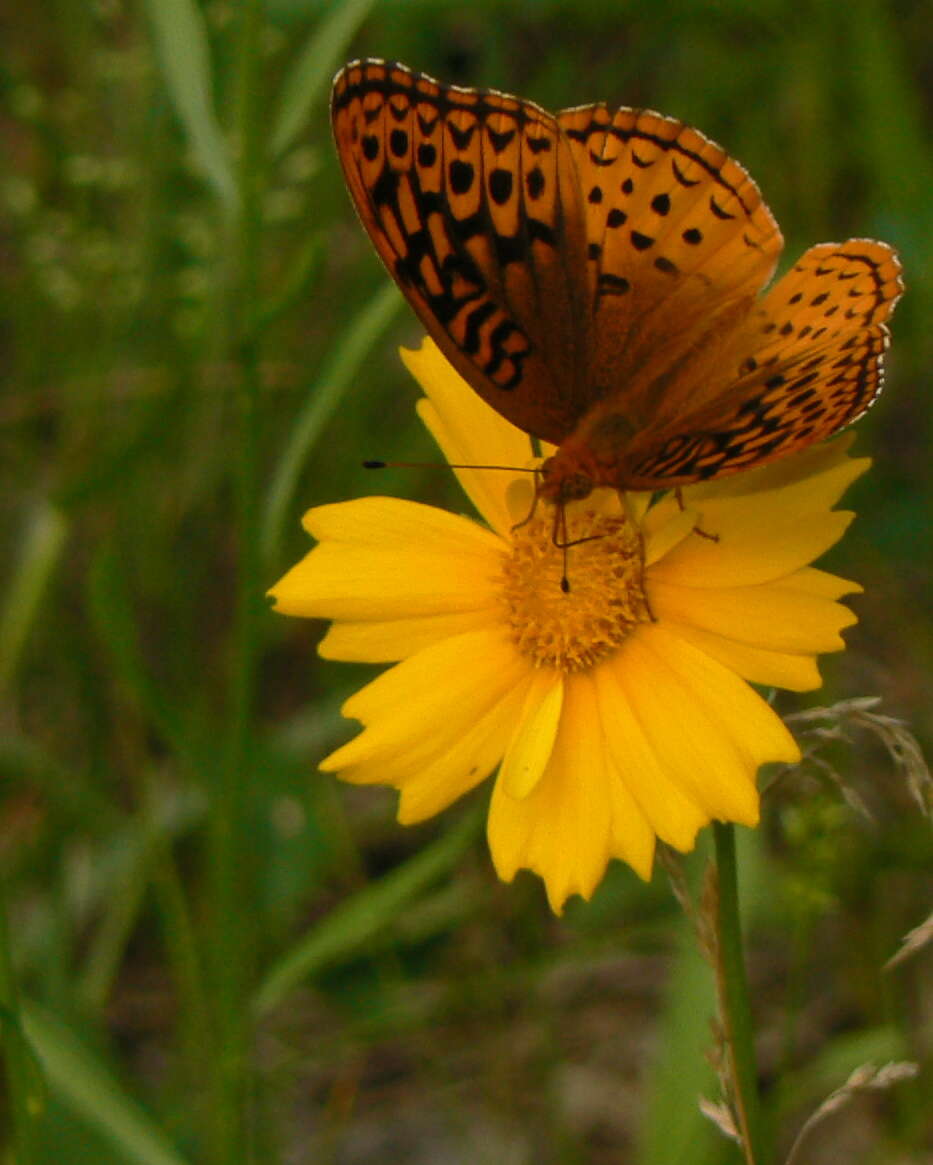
x=563 y=542
x=644 y=581
x=534 y=504
x=697 y=529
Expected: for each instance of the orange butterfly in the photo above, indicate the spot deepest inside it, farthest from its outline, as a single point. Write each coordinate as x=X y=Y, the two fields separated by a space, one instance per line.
x=596 y=278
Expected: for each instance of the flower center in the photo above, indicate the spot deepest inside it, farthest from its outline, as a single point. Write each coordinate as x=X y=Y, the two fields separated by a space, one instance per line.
x=574 y=629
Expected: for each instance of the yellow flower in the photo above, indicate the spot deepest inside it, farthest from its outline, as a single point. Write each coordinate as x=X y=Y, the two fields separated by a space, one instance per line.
x=617 y=712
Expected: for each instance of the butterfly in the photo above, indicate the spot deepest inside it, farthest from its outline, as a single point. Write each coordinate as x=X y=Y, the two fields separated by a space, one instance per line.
x=597 y=278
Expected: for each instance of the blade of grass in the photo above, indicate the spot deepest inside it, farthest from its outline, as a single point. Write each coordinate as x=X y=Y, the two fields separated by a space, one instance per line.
x=890 y=115
x=116 y=621
x=352 y=923
x=122 y=873
x=183 y=53
x=349 y=353
x=299 y=282
x=26 y=765
x=140 y=852
x=231 y=935
x=24 y=1083
x=41 y=549
x=89 y=1090
x=312 y=72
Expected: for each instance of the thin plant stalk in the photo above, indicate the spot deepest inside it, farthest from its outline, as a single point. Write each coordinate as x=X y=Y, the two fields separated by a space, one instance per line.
x=22 y=1075
x=232 y=897
x=734 y=1001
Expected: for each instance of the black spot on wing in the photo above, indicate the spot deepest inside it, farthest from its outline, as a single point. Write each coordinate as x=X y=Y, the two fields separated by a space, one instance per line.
x=461 y=175
x=500 y=186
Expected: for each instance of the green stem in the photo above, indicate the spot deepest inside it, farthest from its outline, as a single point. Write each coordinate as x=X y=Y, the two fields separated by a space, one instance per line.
x=22 y=1075
x=734 y=1002
x=186 y=962
x=232 y=881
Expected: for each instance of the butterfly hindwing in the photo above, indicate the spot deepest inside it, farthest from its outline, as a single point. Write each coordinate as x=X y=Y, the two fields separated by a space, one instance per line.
x=833 y=289
x=813 y=364
x=470 y=199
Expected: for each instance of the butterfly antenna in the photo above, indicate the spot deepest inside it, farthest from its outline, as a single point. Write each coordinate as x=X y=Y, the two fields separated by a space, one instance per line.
x=442 y=465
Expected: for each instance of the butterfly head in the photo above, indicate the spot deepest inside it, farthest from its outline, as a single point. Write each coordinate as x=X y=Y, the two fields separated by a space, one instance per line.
x=561 y=481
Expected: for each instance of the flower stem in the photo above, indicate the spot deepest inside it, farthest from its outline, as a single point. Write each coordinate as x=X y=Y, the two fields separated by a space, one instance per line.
x=734 y=1002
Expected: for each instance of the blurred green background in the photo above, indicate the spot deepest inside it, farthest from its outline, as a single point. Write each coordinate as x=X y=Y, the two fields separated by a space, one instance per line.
x=220 y=955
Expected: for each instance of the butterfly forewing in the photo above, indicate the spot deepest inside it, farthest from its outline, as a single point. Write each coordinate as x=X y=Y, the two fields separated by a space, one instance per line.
x=470 y=199
x=679 y=242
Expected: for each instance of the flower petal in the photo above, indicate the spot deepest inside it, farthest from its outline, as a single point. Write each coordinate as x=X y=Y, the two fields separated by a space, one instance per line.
x=767 y=523
x=663 y=528
x=793 y=669
x=690 y=747
x=774 y=617
x=382 y=522
x=750 y=546
x=561 y=830
x=381 y=558
x=418 y=708
x=668 y=808
x=777 y=669
x=757 y=731
x=631 y=838
x=637 y=506
x=812 y=581
x=470 y=760
x=468 y=432
x=389 y=640
x=533 y=740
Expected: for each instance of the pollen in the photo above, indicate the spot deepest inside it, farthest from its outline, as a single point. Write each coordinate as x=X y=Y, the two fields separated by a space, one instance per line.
x=573 y=624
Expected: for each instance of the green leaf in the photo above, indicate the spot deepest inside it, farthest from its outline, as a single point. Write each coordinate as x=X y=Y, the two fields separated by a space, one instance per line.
x=350 y=925
x=312 y=72
x=42 y=546
x=85 y=1086
x=323 y=399
x=183 y=54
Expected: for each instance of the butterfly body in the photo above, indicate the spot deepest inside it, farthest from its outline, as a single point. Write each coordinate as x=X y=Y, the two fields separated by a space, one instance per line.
x=597 y=277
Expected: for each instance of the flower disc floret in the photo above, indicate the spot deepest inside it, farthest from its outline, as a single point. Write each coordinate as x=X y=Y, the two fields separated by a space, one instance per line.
x=569 y=611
